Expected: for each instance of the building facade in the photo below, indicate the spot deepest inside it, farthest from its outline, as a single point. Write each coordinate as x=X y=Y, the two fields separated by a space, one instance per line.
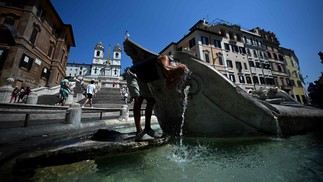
x=252 y=59
x=107 y=69
x=296 y=81
x=34 y=43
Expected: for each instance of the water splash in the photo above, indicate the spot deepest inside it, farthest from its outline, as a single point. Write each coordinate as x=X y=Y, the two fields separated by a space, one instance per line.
x=185 y=102
x=181 y=85
x=187 y=153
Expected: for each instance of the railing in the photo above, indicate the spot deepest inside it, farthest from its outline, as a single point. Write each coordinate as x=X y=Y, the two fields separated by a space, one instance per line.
x=72 y=113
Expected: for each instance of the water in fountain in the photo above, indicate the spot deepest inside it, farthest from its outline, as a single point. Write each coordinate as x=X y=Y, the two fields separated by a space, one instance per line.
x=298 y=158
x=279 y=135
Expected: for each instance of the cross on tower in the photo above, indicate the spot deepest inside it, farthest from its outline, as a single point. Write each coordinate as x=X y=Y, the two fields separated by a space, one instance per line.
x=95 y=69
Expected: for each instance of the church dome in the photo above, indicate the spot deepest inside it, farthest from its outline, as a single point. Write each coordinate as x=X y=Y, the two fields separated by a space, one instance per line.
x=117 y=48
x=99 y=45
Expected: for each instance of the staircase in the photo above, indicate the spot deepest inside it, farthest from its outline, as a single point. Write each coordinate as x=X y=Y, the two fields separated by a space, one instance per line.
x=48 y=99
x=107 y=98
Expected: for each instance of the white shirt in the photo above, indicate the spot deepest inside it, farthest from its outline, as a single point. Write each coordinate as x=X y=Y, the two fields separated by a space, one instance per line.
x=90 y=89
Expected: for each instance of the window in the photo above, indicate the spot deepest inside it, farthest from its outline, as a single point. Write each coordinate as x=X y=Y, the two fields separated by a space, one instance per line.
x=258 y=65
x=45 y=73
x=242 y=50
x=251 y=64
x=239 y=38
x=234 y=48
x=207 y=57
x=241 y=79
x=248 y=79
x=33 y=36
x=299 y=83
x=231 y=36
x=223 y=33
x=117 y=55
x=245 y=39
x=229 y=64
x=280 y=57
x=205 y=40
x=269 y=54
x=97 y=53
x=220 y=60
x=192 y=42
x=275 y=56
x=26 y=62
x=262 y=80
x=238 y=66
x=255 y=80
x=248 y=51
x=270 y=81
x=255 y=53
x=245 y=66
x=292 y=83
x=279 y=68
x=232 y=78
x=217 y=43
x=50 y=50
x=227 y=47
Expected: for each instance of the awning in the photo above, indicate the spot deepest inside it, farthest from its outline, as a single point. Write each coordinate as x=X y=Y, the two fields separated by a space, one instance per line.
x=8 y=33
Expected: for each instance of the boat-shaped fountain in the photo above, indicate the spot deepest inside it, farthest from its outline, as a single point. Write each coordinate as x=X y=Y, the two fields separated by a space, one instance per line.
x=217 y=107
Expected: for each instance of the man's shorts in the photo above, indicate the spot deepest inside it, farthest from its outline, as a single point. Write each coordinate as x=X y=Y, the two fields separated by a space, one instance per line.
x=136 y=87
x=89 y=96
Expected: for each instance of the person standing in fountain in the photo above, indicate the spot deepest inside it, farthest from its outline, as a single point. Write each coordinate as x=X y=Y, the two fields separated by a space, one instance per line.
x=90 y=91
x=137 y=78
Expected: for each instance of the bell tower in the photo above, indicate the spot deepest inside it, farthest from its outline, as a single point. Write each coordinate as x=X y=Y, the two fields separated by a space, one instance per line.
x=116 y=61
x=98 y=53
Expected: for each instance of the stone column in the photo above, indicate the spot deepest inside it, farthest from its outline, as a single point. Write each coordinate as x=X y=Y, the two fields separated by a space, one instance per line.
x=73 y=116
x=124 y=113
x=6 y=90
x=32 y=98
x=69 y=99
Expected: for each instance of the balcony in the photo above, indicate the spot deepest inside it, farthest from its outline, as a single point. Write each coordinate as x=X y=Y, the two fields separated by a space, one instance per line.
x=286 y=87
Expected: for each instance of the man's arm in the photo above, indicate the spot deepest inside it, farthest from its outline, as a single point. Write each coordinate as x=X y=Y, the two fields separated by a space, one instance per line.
x=170 y=70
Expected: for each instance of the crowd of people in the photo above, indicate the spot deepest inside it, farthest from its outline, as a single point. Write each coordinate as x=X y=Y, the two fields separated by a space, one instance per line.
x=20 y=95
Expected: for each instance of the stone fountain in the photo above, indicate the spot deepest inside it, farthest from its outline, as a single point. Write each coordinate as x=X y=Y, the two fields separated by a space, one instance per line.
x=217 y=107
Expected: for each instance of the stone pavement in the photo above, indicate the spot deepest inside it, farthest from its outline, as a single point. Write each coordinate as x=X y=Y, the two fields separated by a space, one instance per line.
x=46 y=129
x=15 y=141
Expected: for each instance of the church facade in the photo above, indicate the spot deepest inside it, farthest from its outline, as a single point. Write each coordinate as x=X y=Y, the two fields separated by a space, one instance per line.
x=105 y=71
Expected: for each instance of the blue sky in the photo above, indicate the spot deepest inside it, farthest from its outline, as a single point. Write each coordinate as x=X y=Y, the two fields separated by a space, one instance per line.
x=154 y=24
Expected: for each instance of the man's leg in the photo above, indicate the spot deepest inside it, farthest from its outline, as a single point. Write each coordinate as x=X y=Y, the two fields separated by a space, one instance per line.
x=90 y=102
x=87 y=99
x=136 y=113
x=148 y=112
